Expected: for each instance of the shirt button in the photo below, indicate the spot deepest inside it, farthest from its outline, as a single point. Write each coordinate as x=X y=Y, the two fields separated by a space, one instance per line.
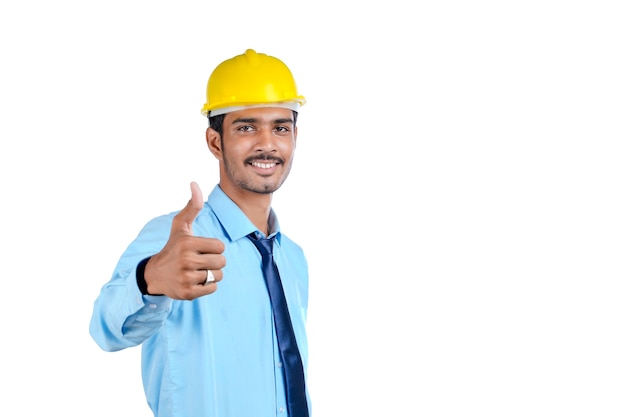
x=279 y=364
x=152 y=305
x=281 y=409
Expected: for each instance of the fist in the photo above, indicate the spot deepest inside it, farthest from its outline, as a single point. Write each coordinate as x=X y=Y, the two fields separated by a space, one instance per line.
x=181 y=268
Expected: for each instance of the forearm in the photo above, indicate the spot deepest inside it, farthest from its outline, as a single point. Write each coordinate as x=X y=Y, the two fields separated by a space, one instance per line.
x=122 y=316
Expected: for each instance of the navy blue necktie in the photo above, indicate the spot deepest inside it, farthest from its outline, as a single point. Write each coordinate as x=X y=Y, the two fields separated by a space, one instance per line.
x=293 y=370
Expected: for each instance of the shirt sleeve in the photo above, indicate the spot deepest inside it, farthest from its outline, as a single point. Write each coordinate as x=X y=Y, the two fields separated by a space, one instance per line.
x=122 y=316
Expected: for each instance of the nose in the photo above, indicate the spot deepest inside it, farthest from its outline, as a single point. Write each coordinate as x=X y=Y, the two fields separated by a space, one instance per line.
x=266 y=140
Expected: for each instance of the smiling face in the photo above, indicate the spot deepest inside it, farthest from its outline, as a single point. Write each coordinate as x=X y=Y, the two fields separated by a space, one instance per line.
x=255 y=151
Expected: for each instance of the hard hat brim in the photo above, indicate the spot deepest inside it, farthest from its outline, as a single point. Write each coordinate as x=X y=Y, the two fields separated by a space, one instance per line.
x=291 y=105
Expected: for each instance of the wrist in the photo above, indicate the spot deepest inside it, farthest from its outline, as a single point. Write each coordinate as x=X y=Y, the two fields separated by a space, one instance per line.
x=141 y=279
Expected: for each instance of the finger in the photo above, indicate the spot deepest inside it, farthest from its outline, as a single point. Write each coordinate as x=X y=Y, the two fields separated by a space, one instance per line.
x=183 y=221
x=202 y=261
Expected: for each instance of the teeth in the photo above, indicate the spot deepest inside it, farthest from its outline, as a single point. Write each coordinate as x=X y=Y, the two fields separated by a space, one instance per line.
x=264 y=165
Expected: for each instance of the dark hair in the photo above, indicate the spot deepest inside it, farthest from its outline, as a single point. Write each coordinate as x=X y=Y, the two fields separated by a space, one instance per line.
x=217 y=122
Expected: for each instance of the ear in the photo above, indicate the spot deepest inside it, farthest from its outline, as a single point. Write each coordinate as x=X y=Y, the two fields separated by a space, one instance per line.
x=214 y=142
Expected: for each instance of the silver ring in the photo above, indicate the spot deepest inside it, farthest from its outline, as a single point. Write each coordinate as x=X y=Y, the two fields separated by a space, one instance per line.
x=209 y=277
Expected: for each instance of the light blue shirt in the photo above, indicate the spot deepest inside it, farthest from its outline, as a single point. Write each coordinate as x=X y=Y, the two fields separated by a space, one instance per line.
x=216 y=355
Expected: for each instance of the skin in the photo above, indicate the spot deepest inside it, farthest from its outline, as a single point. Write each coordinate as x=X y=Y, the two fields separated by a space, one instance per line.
x=255 y=155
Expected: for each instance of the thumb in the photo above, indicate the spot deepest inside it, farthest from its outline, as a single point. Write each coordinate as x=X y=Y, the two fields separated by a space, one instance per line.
x=183 y=221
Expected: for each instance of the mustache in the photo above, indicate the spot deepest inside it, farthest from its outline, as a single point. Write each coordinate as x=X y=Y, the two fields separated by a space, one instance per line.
x=264 y=157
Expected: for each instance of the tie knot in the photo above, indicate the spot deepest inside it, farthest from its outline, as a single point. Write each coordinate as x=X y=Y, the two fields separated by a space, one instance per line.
x=265 y=246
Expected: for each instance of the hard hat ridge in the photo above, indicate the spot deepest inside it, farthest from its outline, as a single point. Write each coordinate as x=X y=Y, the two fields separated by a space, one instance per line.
x=252 y=57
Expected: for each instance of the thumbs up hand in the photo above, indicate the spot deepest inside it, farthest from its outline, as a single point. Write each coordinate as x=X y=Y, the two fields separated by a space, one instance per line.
x=181 y=269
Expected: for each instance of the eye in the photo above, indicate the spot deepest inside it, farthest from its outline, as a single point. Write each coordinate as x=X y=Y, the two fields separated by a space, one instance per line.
x=282 y=129
x=245 y=128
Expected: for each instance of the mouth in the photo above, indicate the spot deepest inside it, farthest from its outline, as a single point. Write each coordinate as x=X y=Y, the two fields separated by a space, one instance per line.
x=264 y=165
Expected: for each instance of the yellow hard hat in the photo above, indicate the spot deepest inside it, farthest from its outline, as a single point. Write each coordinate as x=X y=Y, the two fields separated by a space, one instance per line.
x=250 y=79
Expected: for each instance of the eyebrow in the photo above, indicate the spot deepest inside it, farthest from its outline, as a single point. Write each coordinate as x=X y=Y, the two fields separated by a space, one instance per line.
x=255 y=120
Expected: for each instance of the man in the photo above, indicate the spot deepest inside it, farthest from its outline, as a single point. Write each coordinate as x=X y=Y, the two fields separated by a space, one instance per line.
x=191 y=288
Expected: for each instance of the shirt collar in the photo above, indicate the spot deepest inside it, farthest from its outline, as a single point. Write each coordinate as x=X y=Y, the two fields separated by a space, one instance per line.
x=235 y=223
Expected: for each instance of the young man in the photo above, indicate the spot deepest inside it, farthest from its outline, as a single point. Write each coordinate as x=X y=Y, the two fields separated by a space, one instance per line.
x=194 y=288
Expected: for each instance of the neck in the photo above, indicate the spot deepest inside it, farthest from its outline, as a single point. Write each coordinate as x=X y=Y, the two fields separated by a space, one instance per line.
x=255 y=206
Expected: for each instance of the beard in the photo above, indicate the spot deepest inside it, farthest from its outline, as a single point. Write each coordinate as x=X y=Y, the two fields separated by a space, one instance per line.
x=268 y=186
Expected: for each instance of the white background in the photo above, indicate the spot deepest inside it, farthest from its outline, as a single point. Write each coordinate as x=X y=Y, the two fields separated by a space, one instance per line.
x=458 y=187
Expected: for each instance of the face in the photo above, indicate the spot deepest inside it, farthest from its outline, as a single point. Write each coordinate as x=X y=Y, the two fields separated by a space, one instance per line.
x=256 y=149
